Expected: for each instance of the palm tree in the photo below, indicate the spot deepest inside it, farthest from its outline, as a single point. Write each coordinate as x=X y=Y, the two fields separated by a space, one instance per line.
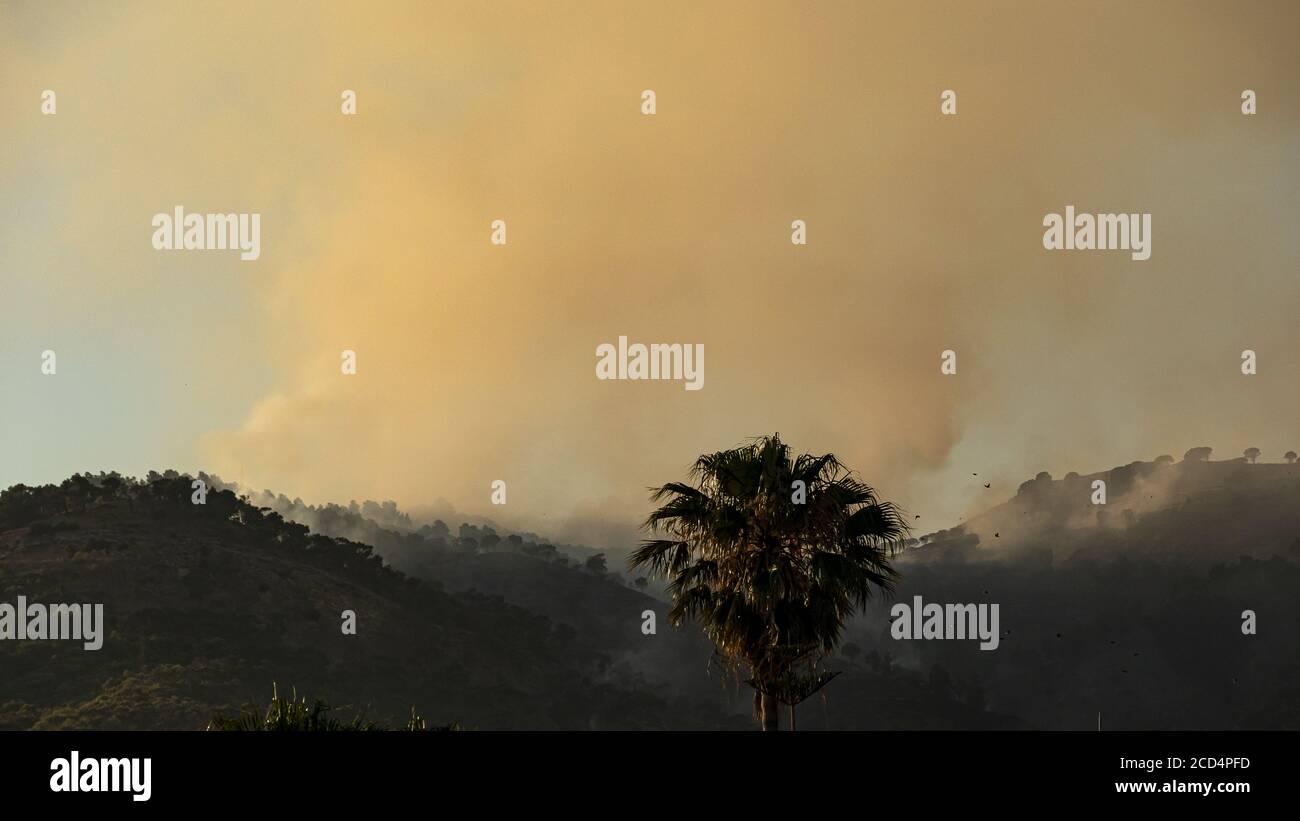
x=769 y=574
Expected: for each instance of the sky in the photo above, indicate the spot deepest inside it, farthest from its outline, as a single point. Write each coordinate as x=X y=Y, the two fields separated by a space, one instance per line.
x=476 y=362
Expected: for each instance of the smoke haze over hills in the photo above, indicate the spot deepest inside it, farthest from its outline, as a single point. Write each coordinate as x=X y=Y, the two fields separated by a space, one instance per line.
x=476 y=362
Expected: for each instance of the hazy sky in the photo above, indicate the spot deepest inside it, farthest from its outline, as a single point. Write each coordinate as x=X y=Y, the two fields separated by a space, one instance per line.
x=476 y=362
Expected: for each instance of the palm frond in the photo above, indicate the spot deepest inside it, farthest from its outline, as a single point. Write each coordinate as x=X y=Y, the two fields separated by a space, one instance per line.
x=771 y=581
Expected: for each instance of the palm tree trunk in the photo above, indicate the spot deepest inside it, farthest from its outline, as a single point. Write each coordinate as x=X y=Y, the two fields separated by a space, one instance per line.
x=771 y=714
x=792 y=724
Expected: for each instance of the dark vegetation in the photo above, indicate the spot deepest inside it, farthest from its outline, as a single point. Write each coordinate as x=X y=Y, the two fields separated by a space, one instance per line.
x=1134 y=613
x=1132 y=609
x=770 y=553
x=293 y=715
x=207 y=604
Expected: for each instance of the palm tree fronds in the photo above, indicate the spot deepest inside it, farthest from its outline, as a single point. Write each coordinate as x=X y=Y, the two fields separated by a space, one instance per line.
x=772 y=578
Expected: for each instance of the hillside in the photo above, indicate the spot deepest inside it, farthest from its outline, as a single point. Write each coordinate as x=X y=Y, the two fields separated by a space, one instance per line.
x=1133 y=609
x=207 y=605
x=1134 y=615
x=1197 y=511
x=601 y=612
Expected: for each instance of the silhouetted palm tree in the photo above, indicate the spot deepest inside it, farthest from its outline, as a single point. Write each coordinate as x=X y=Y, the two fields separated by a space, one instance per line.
x=772 y=574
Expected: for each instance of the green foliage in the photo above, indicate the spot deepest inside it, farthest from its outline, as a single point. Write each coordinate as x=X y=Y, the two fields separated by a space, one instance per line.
x=294 y=715
x=210 y=601
x=772 y=579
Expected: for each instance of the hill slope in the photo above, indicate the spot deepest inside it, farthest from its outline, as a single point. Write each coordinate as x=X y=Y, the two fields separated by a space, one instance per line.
x=1134 y=609
x=206 y=605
